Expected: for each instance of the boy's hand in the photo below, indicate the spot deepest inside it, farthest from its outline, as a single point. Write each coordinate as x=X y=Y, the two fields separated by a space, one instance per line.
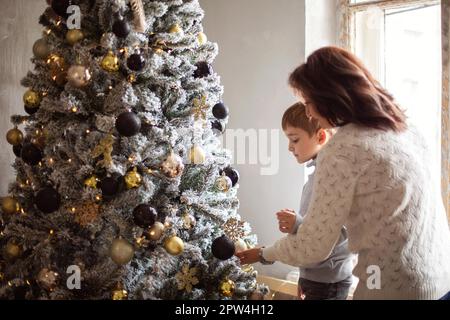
x=286 y=220
x=249 y=256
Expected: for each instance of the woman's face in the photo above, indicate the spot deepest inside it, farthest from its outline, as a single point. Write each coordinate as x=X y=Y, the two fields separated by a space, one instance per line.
x=311 y=111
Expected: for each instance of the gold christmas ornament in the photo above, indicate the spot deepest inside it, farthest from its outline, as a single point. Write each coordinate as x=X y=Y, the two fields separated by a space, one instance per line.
x=131 y=78
x=202 y=38
x=104 y=148
x=174 y=245
x=56 y=63
x=188 y=221
x=234 y=229
x=187 y=278
x=59 y=76
x=223 y=183
x=226 y=288
x=78 y=76
x=119 y=293
x=240 y=245
x=41 y=49
x=74 y=35
x=12 y=251
x=10 y=205
x=91 y=182
x=197 y=155
x=47 y=279
x=175 y=29
x=121 y=251
x=173 y=166
x=32 y=99
x=14 y=137
x=87 y=213
x=156 y=231
x=133 y=179
x=110 y=62
x=200 y=108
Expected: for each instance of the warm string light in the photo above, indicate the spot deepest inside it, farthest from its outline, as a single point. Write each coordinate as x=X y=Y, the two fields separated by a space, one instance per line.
x=73 y=209
x=88 y=131
x=98 y=197
x=74 y=109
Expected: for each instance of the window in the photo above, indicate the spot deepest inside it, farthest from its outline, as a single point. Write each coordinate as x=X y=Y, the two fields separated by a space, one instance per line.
x=400 y=42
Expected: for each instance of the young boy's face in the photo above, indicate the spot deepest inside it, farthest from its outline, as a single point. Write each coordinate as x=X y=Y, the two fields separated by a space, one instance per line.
x=302 y=146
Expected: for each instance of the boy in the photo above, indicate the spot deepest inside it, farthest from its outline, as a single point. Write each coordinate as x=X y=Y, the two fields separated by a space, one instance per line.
x=330 y=279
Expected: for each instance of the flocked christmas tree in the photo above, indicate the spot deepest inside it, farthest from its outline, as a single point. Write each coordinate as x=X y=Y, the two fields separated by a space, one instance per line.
x=121 y=177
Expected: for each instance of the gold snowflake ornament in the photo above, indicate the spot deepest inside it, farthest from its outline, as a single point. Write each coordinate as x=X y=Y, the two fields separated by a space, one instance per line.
x=186 y=278
x=234 y=229
x=200 y=108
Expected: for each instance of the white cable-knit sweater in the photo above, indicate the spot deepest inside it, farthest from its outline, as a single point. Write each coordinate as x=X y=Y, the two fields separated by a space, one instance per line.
x=378 y=184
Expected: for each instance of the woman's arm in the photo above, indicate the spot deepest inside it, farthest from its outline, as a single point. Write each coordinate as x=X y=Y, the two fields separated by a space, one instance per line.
x=332 y=198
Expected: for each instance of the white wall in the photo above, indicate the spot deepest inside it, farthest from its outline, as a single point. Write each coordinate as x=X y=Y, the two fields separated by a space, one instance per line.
x=260 y=42
x=321 y=24
x=19 y=29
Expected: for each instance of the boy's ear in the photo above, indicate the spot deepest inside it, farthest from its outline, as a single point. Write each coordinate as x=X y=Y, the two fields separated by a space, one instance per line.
x=322 y=136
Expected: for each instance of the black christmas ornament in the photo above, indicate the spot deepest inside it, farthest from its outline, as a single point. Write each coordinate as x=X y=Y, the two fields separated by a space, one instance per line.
x=30 y=110
x=121 y=28
x=217 y=126
x=233 y=174
x=220 y=111
x=136 y=62
x=144 y=215
x=31 y=154
x=109 y=186
x=223 y=248
x=17 y=150
x=60 y=7
x=204 y=69
x=47 y=200
x=128 y=124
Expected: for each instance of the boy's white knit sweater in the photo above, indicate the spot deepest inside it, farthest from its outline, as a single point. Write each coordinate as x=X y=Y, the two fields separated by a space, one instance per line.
x=379 y=184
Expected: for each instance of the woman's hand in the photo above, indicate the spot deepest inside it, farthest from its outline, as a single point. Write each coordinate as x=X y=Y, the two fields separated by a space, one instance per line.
x=249 y=256
x=286 y=220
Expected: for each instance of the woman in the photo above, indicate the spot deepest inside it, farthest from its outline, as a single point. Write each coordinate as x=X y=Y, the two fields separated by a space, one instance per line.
x=373 y=177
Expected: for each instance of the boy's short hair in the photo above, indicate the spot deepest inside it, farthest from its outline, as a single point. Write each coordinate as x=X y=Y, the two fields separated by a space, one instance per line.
x=295 y=116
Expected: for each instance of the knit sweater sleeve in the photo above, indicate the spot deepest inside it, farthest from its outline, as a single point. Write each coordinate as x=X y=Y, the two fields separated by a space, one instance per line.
x=331 y=201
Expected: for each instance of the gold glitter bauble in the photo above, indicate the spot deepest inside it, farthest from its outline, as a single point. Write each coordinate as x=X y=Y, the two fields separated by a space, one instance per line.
x=110 y=62
x=74 y=35
x=226 y=288
x=32 y=99
x=121 y=251
x=202 y=38
x=173 y=166
x=133 y=179
x=10 y=205
x=174 y=245
x=156 y=231
x=14 y=137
